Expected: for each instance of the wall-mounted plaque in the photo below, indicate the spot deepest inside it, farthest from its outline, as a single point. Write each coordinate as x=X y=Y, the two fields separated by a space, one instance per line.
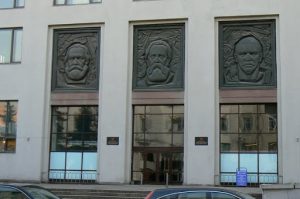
x=247 y=54
x=112 y=141
x=76 y=59
x=201 y=140
x=158 y=61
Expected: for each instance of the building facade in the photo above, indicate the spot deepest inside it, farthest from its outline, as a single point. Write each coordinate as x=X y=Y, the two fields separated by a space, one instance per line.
x=141 y=91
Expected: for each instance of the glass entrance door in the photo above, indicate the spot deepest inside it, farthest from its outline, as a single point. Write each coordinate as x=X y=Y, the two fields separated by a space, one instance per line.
x=161 y=167
x=157 y=144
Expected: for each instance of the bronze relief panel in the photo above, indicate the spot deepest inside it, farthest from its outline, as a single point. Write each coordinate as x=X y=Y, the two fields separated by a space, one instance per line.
x=76 y=59
x=247 y=54
x=158 y=57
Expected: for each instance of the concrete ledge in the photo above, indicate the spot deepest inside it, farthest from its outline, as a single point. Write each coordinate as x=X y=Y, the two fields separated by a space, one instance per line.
x=277 y=186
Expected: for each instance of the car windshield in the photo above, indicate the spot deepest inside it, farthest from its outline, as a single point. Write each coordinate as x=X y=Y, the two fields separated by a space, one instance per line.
x=40 y=193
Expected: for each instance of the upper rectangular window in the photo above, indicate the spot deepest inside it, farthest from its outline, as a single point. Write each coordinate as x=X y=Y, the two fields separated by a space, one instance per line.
x=11 y=4
x=10 y=45
x=8 y=125
x=75 y=2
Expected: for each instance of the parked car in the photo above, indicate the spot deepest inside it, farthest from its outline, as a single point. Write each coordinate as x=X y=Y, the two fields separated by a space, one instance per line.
x=25 y=192
x=196 y=193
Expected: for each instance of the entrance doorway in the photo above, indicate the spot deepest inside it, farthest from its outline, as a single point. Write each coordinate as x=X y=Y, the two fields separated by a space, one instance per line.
x=162 y=167
x=157 y=151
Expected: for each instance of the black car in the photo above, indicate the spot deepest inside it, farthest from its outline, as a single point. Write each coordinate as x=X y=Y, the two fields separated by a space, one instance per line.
x=196 y=193
x=25 y=192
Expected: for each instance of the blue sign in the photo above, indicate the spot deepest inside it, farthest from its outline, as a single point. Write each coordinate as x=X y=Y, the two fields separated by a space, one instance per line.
x=241 y=177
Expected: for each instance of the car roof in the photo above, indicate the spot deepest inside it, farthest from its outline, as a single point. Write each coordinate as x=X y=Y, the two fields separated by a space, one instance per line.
x=166 y=191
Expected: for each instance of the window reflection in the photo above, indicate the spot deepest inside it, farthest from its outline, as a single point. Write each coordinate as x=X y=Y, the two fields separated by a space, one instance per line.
x=8 y=126
x=248 y=132
x=74 y=132
x=158 y=126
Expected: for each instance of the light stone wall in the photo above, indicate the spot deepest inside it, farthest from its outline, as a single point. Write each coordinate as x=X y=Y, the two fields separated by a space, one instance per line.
x=29 y=82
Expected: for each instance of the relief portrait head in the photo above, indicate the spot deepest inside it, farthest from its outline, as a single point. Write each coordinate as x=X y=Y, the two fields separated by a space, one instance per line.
x=248 y=55
x=76 y=63
x=158 y=57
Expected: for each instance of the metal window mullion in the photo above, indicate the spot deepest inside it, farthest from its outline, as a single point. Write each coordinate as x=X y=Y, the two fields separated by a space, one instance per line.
x=6 y=126
x=11 y=45
x=81 y=167
x=239 y=144
x=144 y=126
x=172 y=130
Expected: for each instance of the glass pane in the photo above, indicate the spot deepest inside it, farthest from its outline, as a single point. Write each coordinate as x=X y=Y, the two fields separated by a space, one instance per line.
x=85 y=123
x=268 y=163
x=271 y=108
x=229 y=142
x=73 y=124
x=17 y=45
x=229 y=109
x=57 y=174
x=3 y=112
x=229 y=162
x=74 y=142
x=267 y=142
x=228 y=177
x=73 y=161
x=159 y=109
x=139 y=109
x=90 y=141
x=59 y=110
x=77 y=1
x=59 y=2
x=137 y=177
x=268 y=178
x=229 y=123
x=248 y=142
x=249 y=161
x=178 y=140
x=74 y=175
x=252 y=178
x=158 y=123
x=59 y=124
x=267 y=123
x=57 y=160
x=178 y=123
x=89 y=175
x=10 y=145
x=139 y=123
x=261 y=108
x=75 y=110
x=178 y=109
x=6 y=4
x=12 y=119
x=2 y=144
x=5 y=45
x=95 y=1
x=138 y=161
x=139 y=140
x=248 y=108
x=89 y=161
x=248 y=123
x=150 y=167
x=159 y=140
x=58 y=142
x=19 y=3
